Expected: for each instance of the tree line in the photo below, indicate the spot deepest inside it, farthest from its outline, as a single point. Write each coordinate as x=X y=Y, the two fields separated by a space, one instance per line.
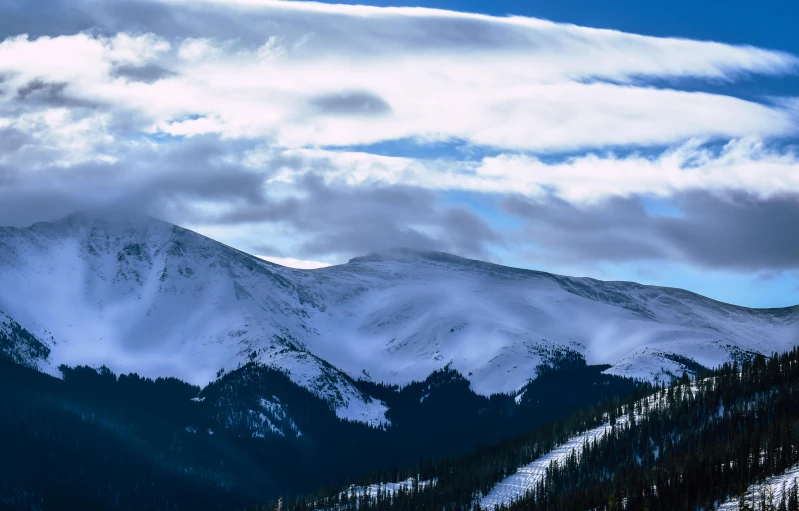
x=687 y=446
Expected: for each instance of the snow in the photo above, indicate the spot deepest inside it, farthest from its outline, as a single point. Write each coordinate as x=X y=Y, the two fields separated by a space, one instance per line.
x=141 y=295
x=373 y=489
x=774 y=486
x=272 y=409
x=358 y=492
x=372 y=412
x=528 y=476
x=151 y=298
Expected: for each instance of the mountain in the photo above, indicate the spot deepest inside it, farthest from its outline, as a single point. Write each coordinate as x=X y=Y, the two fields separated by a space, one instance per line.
x=724 y=440
x=141 y=295
x=135 y=354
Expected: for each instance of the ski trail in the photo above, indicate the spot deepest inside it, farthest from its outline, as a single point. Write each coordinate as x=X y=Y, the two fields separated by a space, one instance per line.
x=773 y=487
x=527 y=477
x=515 y=486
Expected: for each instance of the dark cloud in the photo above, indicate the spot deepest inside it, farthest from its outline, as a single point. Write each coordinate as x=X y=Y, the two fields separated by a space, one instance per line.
x=12 y=140
x=468 y=232
x=734 y=231
x=377 y=34
x=149 y=73
x=769 y=275
x=107 y=17
x=169 y=179
x=50 y=94
x=354 y=221
x=40 y=88
x=3 y=87
x=149 y=179
x=266 y=249
x=43 y=18
x=357 y=103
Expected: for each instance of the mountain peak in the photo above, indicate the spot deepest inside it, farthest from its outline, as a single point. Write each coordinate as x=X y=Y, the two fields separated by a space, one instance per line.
x=110 y=216
x=405 y=254
x=139 y=294
x=111 y=219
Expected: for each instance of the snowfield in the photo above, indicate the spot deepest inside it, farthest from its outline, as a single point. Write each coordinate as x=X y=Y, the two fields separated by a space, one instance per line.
x=141 y=295
x=527 y=477
x=772 y=487
x=373 y=489
x=359 y=492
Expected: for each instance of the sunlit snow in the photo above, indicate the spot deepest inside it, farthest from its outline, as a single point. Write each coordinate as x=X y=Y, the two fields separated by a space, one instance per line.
x=772 y=488
x=148 y=297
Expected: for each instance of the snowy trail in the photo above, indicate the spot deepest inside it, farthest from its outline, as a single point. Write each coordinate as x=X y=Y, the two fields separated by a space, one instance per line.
x=359 y=492
x=373 y=489
x=527 y=477
x=774 y=486
x=515 y=486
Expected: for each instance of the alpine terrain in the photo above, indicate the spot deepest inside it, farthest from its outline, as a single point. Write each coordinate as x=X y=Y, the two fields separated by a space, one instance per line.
x=182 y=372
x=149 y=297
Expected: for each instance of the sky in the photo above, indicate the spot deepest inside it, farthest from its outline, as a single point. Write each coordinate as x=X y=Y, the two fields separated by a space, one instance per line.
x=619 y=140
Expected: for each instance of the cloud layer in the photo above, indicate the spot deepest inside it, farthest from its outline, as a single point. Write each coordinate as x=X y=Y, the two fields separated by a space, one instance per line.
x=265 y=114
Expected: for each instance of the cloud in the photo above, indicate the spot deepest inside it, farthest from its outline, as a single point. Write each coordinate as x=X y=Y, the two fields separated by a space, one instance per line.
x=344 y=221
x=240 y=116
x=210 y=183
x=735 y=231
x=350 y=103
x=291 y=262
x=38 y=93
x=147 y=73
x=11 y=139
x=746 y=164
x=510 y=83
x=161 y=179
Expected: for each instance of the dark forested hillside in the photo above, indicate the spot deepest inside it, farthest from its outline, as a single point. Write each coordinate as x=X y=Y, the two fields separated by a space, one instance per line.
x=93 y=439
x=690 y=446
x=706 y=444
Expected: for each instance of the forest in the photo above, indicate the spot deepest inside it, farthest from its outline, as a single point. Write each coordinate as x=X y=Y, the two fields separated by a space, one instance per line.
x=691 y=445
x=96 y=440
x=92 y=439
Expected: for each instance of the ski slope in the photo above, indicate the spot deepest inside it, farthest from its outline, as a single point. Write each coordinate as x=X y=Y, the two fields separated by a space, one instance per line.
x=774 y=487
x=359 y=493
x=527 y=477
x=373 y=489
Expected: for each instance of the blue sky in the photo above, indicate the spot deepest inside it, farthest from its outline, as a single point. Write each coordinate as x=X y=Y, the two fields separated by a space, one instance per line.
x=661 y=149
x=768 y=24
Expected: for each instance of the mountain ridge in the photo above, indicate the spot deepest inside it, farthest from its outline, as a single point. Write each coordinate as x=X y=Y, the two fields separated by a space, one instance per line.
x=161 y=300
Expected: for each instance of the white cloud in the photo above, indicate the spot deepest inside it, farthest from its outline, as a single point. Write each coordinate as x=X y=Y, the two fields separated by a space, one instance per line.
x=76 y=59
x=519 y=85
x=511 y=83
x=745 y=164
x=291 y=262
x=741 y=165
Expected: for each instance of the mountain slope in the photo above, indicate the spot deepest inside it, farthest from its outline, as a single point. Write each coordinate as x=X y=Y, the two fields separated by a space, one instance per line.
x=20 y=346
x=770 y=492
x=141 y=295
x=693 y=445
x=149 y=297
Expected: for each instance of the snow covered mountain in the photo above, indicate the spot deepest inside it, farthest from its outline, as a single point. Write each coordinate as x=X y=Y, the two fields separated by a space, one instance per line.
x=141 y=295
